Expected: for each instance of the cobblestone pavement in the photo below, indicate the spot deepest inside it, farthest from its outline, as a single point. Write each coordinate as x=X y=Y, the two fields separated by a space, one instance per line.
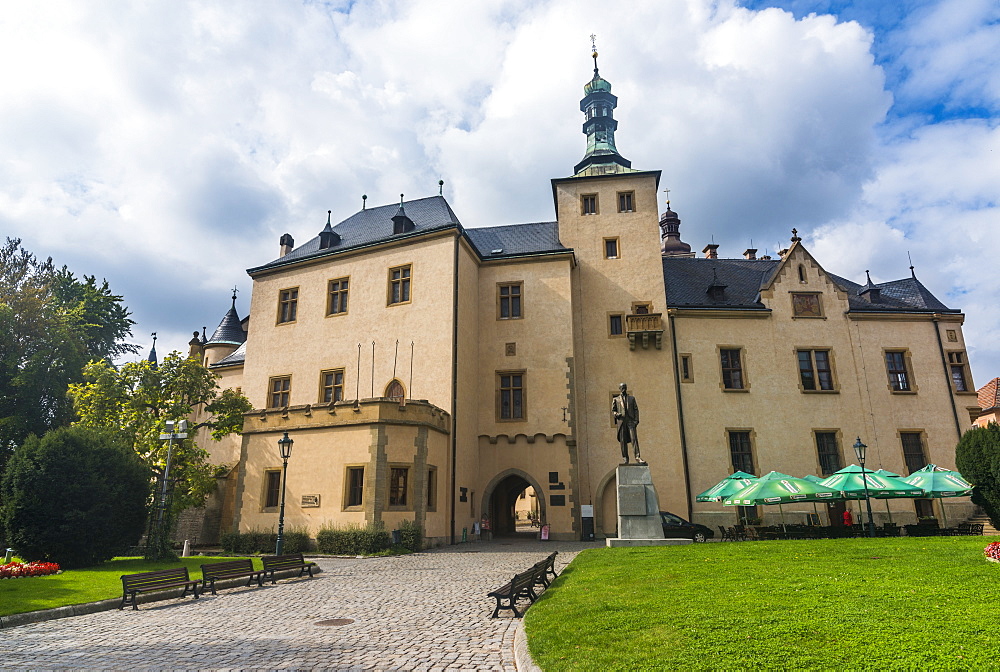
x=426 y=611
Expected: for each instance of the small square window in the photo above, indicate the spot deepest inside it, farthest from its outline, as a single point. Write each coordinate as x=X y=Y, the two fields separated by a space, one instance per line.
x=588 y=204
x=331 y=384
x=288 y=300
x=279 y=390
x=610 y=248
x=626 y=201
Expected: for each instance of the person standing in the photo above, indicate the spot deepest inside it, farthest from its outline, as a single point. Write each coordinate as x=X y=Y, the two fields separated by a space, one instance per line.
x=848 y=518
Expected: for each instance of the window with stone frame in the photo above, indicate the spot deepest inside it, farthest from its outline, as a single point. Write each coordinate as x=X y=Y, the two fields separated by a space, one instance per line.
x=355 y=486
x=510 y=395
x=741 y=451
x=588 y=204
x=272 y=488
x=732 y=369
x=288 y=300
x=279 y=391
x=399 y=284
x=829 y=453
x=398 y=486
x=956 y=366
x=337 y=292
x=913 y=451
x=331 y=386
x=611 y=250
x=815 y=370
x=626 y=201
x=509 y=300
x=896 y=368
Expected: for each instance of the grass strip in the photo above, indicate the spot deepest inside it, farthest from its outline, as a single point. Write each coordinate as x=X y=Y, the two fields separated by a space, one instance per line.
x=920 y=603
x=77 y=586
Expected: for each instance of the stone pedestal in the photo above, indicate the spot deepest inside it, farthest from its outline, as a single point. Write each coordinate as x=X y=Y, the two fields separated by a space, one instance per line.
x=639 y=510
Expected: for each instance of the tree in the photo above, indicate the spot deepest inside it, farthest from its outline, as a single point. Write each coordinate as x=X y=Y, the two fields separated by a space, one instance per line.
x=51 y=325
x=977 y=457
x=76 y=496
x=136 y=400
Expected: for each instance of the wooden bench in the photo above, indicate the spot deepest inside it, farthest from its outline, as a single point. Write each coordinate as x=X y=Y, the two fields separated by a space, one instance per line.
x=280 y=563
x=232 y=569
x=163 y=579
x=523 y=585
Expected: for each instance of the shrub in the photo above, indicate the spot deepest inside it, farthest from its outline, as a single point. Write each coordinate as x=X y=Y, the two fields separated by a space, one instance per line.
x=353 y=539
x=977 y=456
x=256 y=541
x=75 y=496
x=411 y=535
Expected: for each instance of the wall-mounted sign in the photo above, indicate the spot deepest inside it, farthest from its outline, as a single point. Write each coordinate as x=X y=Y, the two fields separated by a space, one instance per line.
x=310 y=501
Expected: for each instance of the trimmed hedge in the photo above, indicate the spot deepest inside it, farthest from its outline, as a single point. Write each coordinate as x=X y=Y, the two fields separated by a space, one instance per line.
x=264 y=541
x=353 y=539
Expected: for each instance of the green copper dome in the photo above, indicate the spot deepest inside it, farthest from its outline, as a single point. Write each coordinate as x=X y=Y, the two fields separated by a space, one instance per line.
x=598 y=83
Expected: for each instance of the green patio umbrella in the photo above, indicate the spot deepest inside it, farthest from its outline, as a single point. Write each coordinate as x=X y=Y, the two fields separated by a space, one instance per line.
x=851 y=482
x=886 y=472
x=778 y=488
x=814 y=479
x=939 y=482
x=729 y=485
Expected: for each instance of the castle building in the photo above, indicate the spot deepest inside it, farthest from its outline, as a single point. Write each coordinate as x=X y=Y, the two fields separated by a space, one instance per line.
x=432 y=371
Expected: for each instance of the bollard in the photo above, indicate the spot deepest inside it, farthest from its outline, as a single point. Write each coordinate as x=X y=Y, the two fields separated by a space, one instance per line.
x=9 y=556
x=186 y=553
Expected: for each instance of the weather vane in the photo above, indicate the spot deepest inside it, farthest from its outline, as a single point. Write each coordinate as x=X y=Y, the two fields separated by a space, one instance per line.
x=593 y=42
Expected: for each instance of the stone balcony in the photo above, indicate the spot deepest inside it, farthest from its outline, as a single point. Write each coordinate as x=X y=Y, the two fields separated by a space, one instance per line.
x=644 y=328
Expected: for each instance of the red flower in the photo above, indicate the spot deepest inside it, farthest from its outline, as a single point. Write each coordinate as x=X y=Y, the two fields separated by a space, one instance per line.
x=16 y=569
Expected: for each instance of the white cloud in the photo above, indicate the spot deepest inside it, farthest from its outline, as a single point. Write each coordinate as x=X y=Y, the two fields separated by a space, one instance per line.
x=167 y=145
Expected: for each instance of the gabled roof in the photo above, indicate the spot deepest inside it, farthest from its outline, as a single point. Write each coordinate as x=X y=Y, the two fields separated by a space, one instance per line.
x=374 y=225
x=514 y=240
x=237 y=357
x=687 y=281
x=989 y=395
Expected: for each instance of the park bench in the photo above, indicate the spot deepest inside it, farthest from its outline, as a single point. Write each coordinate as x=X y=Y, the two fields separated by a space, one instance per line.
x=523 y=585
x=232 y=569
x=163 y=579
x=281 y=563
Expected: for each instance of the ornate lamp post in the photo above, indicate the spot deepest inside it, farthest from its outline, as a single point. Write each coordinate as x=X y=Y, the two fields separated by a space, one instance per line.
x=859 y=450
x=285 y=446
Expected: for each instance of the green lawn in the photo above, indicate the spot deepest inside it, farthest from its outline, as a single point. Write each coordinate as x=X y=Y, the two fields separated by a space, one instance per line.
x=921 y=603
x=77 y=586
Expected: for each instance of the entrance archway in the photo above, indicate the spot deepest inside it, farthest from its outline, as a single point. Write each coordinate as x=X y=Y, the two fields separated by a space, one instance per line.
x=500 y=501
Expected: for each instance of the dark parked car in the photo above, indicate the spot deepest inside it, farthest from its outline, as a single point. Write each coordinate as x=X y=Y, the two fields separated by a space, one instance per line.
x=675 y=527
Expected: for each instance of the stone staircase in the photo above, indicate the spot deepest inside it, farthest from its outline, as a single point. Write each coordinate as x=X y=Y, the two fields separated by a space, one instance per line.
x=982 y=518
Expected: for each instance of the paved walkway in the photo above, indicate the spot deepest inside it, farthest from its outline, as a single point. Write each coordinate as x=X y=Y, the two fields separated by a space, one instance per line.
x=426 y=611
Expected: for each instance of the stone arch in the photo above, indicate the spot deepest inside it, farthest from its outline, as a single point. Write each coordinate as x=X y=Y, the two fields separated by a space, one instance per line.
x=496 y=495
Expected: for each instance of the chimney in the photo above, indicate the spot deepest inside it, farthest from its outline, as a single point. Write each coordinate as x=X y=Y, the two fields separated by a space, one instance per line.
x=711 y=251
x=782 y=253
x=287 y=243
x=750 y=253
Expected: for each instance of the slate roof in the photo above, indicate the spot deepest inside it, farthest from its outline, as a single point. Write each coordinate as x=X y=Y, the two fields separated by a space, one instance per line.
x=230 y=330
x=514 y=240
x=989 y=395
x=374 y=225
x=687 y=280
x=238 y=356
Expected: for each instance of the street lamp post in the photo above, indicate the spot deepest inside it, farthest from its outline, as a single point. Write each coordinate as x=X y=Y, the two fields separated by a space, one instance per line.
x=285 y=446
x=175 y=430
x=859 y=450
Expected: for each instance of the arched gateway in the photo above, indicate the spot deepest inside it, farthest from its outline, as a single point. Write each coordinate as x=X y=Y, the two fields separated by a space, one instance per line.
x=500 y=500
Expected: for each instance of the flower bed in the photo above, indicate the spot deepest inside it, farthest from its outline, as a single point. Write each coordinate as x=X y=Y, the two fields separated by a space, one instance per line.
x=18 y=569
x=992 y=551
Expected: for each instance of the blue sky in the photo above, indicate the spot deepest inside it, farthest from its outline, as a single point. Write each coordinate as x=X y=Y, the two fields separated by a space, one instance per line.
x=168 y=145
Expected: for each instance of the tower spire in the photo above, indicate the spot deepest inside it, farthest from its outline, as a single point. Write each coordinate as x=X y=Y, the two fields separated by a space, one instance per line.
x=598 y=106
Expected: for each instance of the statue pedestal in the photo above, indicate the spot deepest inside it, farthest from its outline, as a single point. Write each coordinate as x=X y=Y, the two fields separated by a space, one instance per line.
x=639 y=510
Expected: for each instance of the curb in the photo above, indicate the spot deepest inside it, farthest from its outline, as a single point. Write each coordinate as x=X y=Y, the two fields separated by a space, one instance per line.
x=522 y=657
x=29 y=617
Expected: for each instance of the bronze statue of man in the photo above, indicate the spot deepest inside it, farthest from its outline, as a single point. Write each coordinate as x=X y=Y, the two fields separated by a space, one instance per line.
x=626 y=413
